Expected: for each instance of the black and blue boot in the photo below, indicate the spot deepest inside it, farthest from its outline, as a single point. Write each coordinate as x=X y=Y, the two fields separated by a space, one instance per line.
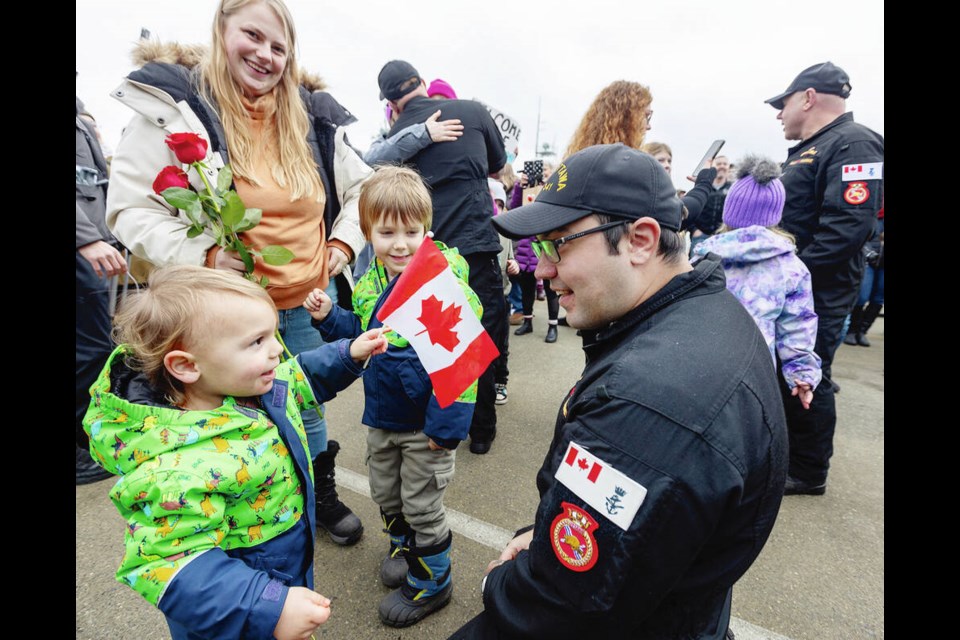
x=428 y=586
x=393 y=569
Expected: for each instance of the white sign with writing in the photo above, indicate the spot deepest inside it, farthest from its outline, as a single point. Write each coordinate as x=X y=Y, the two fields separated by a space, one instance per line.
x=509 y=128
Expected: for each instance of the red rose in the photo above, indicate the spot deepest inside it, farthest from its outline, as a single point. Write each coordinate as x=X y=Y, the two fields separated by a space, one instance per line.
x=170 y=177
x=189 y=147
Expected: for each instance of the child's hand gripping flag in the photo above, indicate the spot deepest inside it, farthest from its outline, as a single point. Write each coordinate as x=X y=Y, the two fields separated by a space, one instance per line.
x=429 y=308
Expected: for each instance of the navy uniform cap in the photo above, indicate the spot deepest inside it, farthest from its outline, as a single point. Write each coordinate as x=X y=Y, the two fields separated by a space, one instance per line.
x=825 y=77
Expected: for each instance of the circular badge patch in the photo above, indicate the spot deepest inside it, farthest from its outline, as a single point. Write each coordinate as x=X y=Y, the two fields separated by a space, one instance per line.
x=856 y=193
x=573 y=542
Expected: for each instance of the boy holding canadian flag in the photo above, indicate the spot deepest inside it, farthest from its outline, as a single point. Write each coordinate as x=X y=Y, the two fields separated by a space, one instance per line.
x=420 y=395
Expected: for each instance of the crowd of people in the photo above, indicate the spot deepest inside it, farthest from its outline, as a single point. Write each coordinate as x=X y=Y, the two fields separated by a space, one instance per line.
x=204 y=392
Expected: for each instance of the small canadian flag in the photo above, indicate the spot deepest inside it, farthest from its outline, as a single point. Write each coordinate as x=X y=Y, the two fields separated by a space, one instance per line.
x=868 y=171
x=430 y=309
x=581 y=464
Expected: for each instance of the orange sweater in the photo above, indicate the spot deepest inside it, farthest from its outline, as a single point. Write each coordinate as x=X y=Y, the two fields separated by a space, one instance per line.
x=298 y=225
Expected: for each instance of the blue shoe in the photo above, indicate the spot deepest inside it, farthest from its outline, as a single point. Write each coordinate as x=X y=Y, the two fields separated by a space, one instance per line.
x=393 y=569
x=428 y=587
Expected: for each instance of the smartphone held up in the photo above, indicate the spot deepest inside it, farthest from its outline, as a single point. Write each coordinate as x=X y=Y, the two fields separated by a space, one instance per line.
x=708 y=157
x=533 y=169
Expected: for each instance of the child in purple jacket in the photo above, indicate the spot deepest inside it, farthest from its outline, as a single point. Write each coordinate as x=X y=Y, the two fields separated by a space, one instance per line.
x=765 y=274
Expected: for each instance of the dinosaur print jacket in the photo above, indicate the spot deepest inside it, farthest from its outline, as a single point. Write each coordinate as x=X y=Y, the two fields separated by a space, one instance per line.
x=219 y=505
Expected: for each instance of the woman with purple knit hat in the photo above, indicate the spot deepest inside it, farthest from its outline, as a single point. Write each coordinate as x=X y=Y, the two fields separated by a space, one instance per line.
x=765 y=274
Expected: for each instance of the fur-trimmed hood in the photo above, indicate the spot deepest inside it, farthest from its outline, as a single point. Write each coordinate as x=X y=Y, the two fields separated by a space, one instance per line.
x=190 y=55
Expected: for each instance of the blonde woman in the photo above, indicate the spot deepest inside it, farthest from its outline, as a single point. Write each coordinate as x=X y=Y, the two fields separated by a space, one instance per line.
x=283 y=138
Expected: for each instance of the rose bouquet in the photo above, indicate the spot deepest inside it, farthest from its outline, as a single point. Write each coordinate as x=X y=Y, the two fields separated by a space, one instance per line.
x=219 y=209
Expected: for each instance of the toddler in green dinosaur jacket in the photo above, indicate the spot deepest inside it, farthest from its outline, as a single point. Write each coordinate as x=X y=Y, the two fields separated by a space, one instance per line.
x=201 y=419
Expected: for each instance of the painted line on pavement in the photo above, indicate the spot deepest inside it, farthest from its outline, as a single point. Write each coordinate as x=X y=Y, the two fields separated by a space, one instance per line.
x=497 y=538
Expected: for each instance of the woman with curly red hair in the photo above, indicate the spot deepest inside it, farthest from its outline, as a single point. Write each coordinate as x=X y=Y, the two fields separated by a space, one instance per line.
x=620 y=113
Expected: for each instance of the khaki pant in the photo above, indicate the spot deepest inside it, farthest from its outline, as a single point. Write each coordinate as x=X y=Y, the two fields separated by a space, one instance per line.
x=407 y=477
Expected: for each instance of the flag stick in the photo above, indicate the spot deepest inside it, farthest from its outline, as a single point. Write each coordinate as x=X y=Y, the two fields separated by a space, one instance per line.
x=367 y=361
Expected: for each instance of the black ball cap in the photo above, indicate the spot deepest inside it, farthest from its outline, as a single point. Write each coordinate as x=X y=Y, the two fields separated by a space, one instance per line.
x=392 y=77
x=825 y=77
x=606 y=178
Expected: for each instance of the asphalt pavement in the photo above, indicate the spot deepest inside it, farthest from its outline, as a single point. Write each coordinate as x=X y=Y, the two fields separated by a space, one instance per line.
x=820 y=575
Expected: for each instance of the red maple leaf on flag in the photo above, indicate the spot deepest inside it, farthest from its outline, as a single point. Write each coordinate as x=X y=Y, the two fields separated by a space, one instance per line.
x=583 y=463
x=439 y=322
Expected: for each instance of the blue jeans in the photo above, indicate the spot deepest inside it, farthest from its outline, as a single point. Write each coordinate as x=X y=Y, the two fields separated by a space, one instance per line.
x=871 y=289
x=843 y=332
x=515 y=297
x=299 y=335
x=93 y=337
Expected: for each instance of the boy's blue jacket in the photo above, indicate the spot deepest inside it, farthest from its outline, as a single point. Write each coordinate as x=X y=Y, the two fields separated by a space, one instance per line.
x=398 y=392
x=219 y=504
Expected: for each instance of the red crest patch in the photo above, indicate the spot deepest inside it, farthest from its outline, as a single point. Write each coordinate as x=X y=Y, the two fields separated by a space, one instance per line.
x=572 y=536
x=856 y=193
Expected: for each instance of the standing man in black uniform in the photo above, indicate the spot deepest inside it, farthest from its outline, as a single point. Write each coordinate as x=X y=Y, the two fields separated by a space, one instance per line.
x=462 y=208
x=666 y=469
x=833 y=180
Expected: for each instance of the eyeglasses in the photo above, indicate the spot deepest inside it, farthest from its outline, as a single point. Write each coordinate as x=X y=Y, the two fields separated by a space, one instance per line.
x=551 y=248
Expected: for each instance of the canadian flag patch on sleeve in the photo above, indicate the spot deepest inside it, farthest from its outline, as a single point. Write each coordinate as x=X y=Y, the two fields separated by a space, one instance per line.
x=601 y=486
x=865 y=171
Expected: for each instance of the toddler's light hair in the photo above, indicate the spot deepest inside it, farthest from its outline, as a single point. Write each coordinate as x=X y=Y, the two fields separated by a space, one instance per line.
x=395 y=193
x=174 y=312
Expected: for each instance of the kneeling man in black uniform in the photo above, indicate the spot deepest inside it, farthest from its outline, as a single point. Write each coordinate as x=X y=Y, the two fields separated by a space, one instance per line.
x=669 y=455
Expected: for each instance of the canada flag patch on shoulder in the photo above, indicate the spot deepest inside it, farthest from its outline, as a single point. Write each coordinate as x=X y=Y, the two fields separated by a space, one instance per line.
x=613 y=494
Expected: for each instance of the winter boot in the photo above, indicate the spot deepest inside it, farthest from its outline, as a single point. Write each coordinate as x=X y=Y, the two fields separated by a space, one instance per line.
x=526 y=327
x=343 y=526
x=393 y=569
x=869 y=315
x=427 y=589
x=551 y=333
x=853 y=331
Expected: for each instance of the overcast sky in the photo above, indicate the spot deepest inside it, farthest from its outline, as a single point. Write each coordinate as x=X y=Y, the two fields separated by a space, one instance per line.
x=709 y=65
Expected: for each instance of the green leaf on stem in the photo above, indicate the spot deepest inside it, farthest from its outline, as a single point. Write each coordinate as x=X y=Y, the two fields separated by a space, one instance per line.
x=194 y=231
x=213 y=203
x=240 y=248
x=276 y=255
x=264 y=281
x=224 y=179
x=184 y=199
x=232 y=212
x=251 y=218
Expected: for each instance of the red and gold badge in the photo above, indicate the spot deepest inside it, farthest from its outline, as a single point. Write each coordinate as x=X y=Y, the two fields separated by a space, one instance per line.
x=571 y=534
x=856 y=193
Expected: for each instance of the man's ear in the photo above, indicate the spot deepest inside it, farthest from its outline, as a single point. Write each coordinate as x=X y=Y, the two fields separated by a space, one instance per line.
x=643 y=239
x=182 y=366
